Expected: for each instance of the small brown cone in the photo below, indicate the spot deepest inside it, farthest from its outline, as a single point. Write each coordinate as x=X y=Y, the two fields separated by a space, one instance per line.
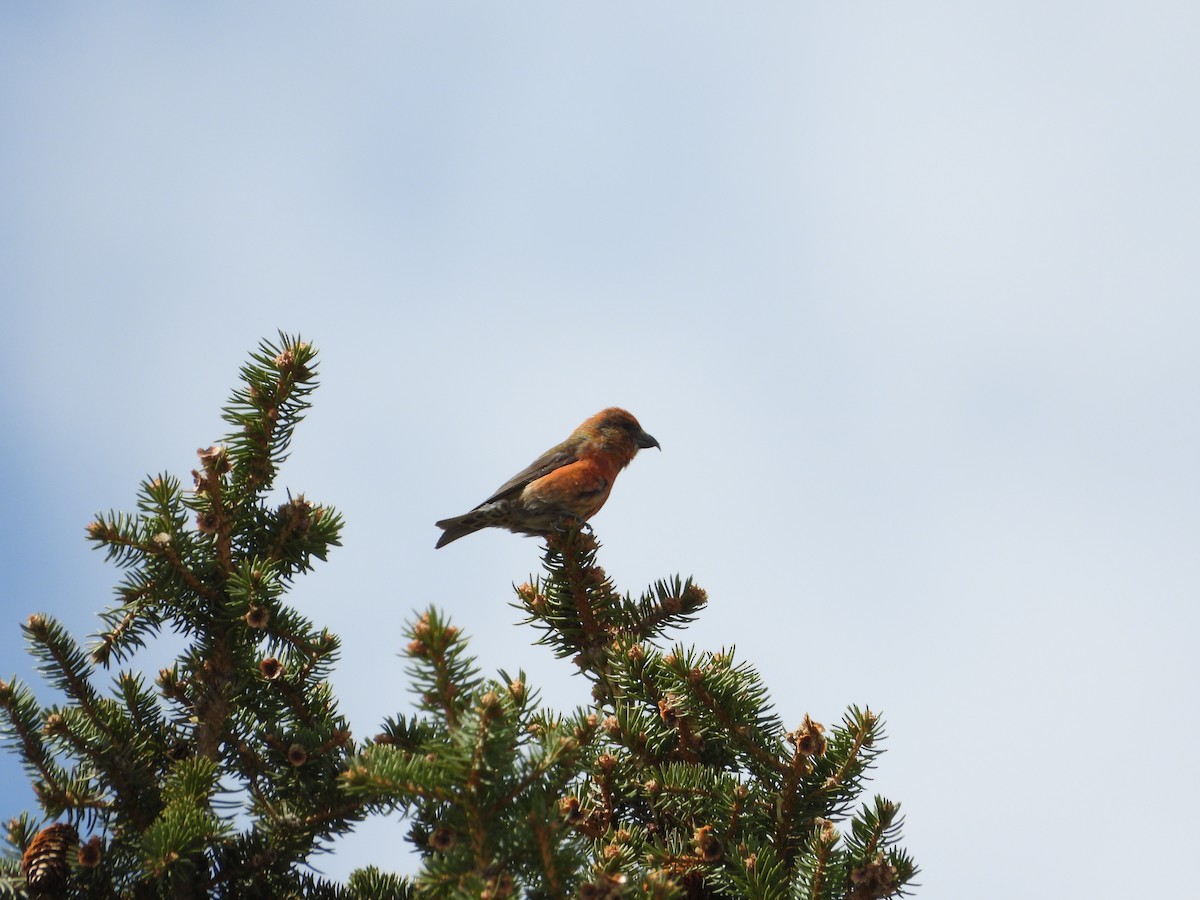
x=45 y=862
x=91 y=854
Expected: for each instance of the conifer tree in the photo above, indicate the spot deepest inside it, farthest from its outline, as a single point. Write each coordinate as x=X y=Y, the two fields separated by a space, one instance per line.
x=225 y=775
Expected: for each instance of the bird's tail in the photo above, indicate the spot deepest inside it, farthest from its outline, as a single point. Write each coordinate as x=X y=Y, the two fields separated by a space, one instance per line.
x=459 y=526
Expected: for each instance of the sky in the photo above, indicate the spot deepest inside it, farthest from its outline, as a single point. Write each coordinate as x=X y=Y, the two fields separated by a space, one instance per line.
x=906 y=291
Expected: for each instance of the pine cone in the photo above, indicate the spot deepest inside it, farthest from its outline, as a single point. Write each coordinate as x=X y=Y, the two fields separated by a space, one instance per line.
x=44 y=862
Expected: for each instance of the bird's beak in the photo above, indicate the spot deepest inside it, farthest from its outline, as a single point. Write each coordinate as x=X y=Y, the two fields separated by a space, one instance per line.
x=645 y=441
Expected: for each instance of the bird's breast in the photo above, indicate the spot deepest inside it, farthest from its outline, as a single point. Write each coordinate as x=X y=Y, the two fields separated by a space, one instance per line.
x=579 y=488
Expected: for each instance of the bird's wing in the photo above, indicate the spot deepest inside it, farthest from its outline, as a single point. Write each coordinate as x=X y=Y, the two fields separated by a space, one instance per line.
x=552 y=459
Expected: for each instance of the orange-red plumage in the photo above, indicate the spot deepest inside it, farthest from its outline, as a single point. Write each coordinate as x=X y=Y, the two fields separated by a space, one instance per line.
x=568 y=483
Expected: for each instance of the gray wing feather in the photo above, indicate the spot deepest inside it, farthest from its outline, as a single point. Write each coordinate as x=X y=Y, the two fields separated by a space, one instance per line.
x=543 y=465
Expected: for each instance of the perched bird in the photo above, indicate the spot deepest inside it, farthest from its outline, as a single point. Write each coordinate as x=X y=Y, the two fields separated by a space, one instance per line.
x=566 y=484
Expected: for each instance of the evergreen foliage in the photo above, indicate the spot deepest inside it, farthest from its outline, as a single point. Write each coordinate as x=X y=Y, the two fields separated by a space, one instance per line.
x=226 y=775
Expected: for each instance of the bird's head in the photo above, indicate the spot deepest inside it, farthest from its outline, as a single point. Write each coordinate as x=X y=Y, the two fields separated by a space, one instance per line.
x=616 y=428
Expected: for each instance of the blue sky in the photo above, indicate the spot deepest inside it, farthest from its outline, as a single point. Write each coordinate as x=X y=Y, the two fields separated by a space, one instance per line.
x=907 y=291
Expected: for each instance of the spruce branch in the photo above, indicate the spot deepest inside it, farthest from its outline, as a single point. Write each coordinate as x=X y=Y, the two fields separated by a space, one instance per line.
x=65 y=665
x=218 y=779
x=22 y=730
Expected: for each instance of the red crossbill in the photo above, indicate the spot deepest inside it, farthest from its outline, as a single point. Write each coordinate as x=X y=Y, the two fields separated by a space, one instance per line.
x=566 y=484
